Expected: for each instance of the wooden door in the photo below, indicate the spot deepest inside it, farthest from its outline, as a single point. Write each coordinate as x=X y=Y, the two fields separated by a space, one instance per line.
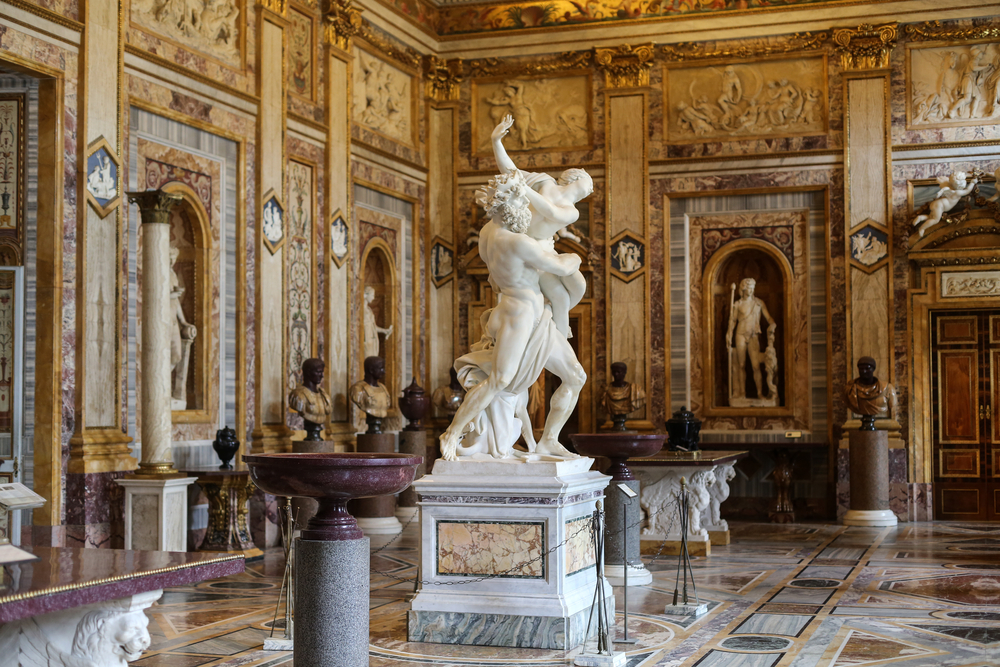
x=965 y=368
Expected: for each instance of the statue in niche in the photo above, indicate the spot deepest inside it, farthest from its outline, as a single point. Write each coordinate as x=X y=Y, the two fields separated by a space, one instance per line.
x=521 y=337
x=372 y=330
x=742 y=341
x=310 y=400
x=371 y=396
x=622 y=398
x=952 y=189
x=447 y=398
x=870 y=397
x=182 y=336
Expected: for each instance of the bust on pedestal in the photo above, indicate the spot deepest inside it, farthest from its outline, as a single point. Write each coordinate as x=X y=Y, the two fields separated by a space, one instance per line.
x=869 y=469
x=311 y=401
x=622 y=398
x=376 y=516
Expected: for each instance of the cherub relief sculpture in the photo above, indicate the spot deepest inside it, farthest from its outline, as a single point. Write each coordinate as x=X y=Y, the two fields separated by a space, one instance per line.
x=952 y=189
x=382 y=101
x=182 y=336
x=742 y=341
x=310 y=400
x=870 y=397
x=955 y=83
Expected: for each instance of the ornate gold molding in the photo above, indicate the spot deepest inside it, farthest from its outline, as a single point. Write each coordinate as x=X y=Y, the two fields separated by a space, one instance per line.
x=154 y=205
x=865 y=47
x=443 y=78
x=800 y=41
x=567 y=60
x=279 y=7
x=625 y=66
x=341 y=23
x=934 y=31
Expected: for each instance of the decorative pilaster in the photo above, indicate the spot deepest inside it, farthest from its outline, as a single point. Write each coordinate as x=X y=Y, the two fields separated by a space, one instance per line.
x=625 y=66
x=865 y=47
x=443 y=78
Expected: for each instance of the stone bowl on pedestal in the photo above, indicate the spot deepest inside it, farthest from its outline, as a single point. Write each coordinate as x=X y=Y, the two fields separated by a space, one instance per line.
x=332 y=479
x=619 y=447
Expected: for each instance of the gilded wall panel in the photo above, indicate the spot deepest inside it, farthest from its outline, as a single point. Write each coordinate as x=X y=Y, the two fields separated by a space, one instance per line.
x=211 y=27
x=550 y=112
x=301 y=53
x=299 y=267
x=384 y=98
x=768 y=98
x=953 y=85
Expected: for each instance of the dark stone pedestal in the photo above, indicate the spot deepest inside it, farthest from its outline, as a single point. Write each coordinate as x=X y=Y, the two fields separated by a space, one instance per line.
x=411 y=442
x=376 y=516
x=869 y=472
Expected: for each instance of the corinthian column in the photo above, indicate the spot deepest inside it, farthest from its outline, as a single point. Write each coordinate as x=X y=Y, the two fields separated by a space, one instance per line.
x=154 y=207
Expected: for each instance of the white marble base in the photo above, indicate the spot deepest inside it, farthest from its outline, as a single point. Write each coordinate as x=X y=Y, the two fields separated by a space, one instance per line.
x=110 y=634
x=638 y=575
x=686 y=610
x=869 y=518
x=381 y=525
x=276 y=644
x=522 y=510
x=156 y=513
x=600 y=660
x=405 y=514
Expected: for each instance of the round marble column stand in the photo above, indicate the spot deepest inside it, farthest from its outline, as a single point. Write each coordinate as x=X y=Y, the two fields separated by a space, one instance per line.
x=412 y=440
x=869 y=459
x=620 y=447
x=332 y=556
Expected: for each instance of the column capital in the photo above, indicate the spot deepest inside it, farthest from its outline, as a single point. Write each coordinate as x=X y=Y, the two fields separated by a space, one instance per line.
x=865 y=47
x=625 y=66
x=154 y=205
x=341 y=23
x=443 y=78
x=279 y=7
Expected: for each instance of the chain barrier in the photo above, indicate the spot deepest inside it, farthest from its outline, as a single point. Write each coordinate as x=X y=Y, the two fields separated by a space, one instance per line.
x=598 y=517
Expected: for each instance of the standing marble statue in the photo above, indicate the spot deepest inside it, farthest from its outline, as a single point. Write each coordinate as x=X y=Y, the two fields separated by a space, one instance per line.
x=310 y=400
x=370 y=395
x=182 y=335
x=870 y=397
x=372 y=330
x=742 y=342
x=622 y=398
x=521 y=337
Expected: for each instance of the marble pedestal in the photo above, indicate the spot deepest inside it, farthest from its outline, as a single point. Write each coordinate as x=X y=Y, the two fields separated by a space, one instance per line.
x=869 y=480
x=331 y=603
x=376 y=516
x=479 y=518
x=156 y=513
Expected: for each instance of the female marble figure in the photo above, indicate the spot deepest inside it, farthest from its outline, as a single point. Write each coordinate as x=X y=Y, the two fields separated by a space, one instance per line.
x=372 y=330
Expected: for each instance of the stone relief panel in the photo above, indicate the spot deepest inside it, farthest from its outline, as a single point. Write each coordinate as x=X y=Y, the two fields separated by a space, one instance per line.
x=384 y=97
x=301 y=47
x=966 y=284
x=209 y=26
x=786 y=97
x=953 y=85
x=549 y=112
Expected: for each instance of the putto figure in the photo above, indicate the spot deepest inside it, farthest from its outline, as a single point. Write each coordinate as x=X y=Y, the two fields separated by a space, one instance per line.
x=870 y=397
x=952 y=189
x=310 y=400
x=520 y=338
x=742 y=341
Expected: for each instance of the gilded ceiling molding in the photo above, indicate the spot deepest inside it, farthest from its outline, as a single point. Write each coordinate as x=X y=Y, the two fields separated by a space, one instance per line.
x=279 y=7
x=341 y=23
x=800 y=41
x=443 y=78
x=934 y=31
x=625 y=66
x=567 y=60
x=865 y=47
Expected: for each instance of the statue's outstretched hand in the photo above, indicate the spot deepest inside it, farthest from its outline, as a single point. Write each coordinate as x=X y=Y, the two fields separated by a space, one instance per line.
x=500 y=131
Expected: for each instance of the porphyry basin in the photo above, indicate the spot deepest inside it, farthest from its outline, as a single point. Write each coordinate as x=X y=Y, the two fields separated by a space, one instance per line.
x=619 y=447
x=332 y=479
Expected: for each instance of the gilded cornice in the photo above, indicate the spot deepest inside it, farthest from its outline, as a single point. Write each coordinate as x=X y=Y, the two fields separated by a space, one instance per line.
x=341 y=23
x=279 y=7
x=442 y=78
x=934 y=31
x=865 y=47
x=800 y=41
x=625 y=66
x=496 y=67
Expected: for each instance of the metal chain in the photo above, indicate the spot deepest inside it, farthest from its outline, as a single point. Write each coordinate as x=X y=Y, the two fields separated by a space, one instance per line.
x=396 y=536
x=670 y=503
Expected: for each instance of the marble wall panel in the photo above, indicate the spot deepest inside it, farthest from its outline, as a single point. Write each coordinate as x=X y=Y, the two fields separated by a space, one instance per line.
x=867 y=185
x=299 y=316
x=579 y=546
x=481 y=548
x=869 y=315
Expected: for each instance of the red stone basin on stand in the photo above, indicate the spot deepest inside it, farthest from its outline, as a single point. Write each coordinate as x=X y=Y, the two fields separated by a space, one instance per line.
x=619 y=447
x=332 y=479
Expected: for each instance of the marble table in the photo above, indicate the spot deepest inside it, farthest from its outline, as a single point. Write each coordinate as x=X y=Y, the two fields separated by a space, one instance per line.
x=707 y=476
x=85 y=606
x=228 y=493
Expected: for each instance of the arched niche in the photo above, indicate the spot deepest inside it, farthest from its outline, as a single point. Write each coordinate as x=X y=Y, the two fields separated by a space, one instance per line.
x=378 y=271
x=768 y=266
x=190 y=234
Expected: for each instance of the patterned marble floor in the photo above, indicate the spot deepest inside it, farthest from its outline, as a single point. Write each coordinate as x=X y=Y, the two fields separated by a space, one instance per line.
x=801 y=595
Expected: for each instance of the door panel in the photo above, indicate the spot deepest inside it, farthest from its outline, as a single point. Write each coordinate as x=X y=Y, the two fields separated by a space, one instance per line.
x=959 y=398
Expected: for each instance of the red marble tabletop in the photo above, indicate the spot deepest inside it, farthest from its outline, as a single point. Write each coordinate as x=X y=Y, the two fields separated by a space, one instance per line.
x=67 y=577
x=667 y=458
x=215 y=470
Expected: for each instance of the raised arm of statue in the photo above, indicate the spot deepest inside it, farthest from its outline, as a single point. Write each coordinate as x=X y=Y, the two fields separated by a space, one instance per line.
x=499 y=152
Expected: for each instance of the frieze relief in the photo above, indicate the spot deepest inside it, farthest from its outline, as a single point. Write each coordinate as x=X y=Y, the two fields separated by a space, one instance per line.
x=970 y=284
x=209 y=26
x=953 y=85
x=549 y=112
x=383 y=97
x=784 y=97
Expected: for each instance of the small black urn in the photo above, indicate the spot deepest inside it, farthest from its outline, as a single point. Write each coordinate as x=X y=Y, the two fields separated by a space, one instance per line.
x=225 y=445
x=682 y=431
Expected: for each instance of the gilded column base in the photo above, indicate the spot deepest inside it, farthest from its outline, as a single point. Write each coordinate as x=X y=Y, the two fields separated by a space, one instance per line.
x=157 y=470
x=100 y=450
x=271 y=439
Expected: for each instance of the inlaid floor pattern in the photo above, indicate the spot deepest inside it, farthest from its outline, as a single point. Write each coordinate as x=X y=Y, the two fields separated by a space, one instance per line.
x=800 y=595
